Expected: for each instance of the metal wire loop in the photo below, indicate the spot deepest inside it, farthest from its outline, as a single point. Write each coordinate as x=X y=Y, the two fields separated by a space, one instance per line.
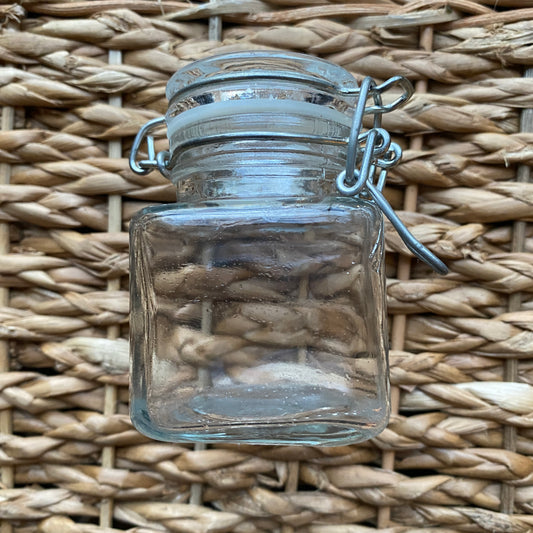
x=369 y=155
x=382 y=142
x=396 y=81
x=344 y=188
x=145 y=166
x=355 y=132
x=392 y=157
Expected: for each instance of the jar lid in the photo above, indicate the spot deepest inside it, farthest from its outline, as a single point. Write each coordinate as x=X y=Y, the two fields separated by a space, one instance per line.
x=261 y=64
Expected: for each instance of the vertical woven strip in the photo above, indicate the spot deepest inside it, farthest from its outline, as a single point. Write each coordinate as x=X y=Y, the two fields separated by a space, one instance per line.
x=6 y=423
x=196 y=496
x=114 y=225
x=399 y=322
x=523 y=175
x=6 y=415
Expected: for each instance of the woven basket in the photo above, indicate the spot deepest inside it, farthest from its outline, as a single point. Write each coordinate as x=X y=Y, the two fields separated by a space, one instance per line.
x=80 y=78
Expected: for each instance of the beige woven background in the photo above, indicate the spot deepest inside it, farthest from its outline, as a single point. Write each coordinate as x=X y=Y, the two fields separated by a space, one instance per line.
x=79 y=79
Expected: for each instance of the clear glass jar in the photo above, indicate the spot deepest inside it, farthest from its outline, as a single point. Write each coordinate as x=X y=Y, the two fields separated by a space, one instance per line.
x=257 y=300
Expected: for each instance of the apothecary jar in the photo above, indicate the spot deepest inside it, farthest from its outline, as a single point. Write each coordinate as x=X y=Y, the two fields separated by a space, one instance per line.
x=258 y=308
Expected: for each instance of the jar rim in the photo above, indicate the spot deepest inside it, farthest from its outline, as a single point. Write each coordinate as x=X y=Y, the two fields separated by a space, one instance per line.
x=273 y=64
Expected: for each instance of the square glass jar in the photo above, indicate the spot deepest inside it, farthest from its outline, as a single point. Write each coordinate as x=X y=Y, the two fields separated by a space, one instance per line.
x=258 y=302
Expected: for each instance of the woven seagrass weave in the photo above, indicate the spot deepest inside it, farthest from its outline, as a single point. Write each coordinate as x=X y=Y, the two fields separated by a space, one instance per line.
x=78 y=80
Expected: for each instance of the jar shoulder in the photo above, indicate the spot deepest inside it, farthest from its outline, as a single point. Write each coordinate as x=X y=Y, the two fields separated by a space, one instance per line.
x=256 y=212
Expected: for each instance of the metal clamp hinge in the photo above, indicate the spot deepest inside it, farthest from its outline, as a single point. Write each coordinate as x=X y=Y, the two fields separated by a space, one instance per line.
x=373 y=151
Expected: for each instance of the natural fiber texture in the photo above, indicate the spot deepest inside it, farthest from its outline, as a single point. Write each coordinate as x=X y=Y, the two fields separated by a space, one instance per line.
x=80 y=78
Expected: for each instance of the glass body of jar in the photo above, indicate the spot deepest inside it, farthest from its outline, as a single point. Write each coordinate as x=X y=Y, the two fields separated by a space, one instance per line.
x=257 y=300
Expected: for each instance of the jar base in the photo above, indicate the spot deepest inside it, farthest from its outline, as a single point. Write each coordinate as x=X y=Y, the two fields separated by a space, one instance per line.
x=307 y=432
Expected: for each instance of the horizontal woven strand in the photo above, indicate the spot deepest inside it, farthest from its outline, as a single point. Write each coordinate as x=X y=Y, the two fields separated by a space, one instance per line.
x=102 y=359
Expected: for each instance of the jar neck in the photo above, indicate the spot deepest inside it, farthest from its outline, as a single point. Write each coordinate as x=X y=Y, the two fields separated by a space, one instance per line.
x=269 y=171
x=262 y=148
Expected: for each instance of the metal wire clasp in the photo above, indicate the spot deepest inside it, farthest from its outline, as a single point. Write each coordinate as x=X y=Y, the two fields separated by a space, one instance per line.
x=158 y=161
x=374 y=151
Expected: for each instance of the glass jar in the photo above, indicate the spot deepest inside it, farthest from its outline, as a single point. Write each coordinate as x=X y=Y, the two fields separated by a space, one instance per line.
x=257 y=300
